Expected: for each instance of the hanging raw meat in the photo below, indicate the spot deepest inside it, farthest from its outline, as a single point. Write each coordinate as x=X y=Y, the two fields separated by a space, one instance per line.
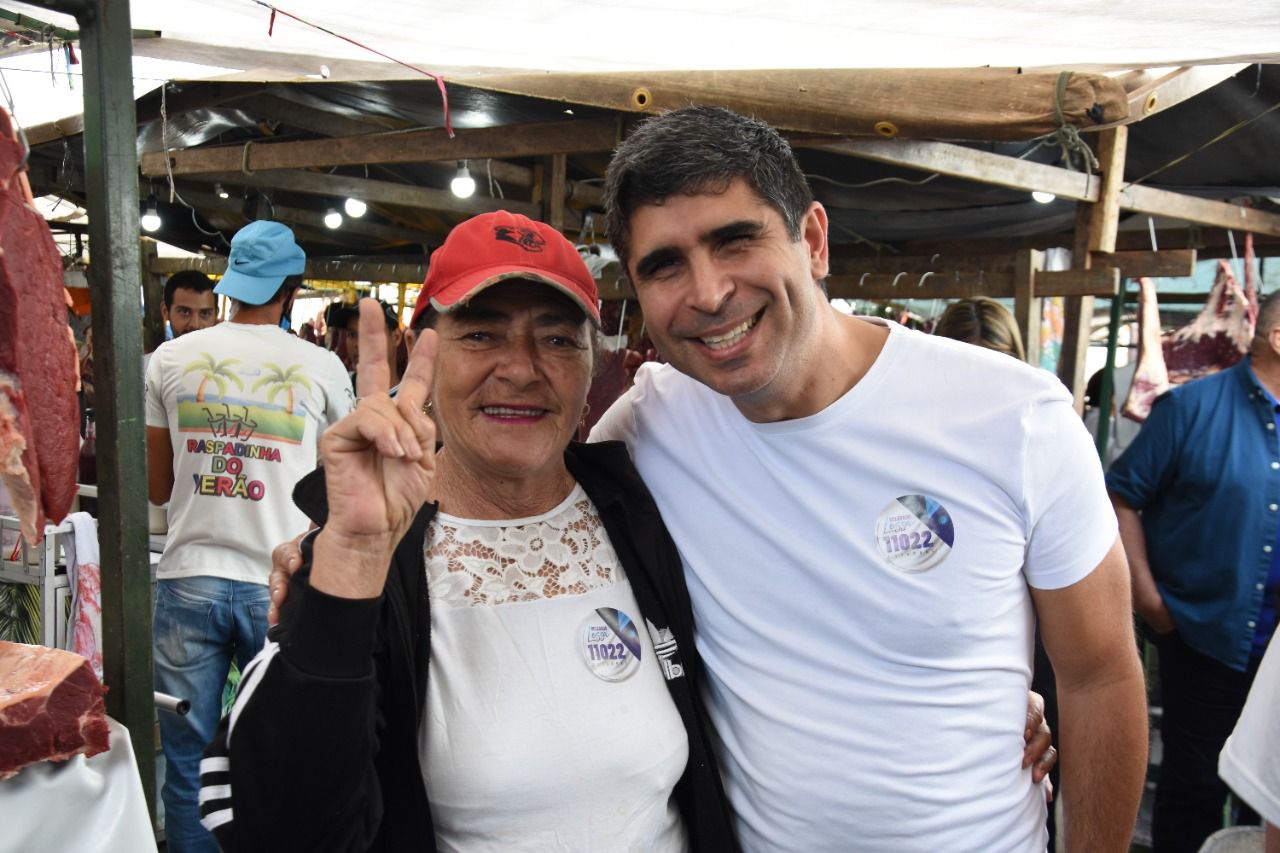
x=50 y=707
x=39 y=413
x=1217 y=338
x=1151 y=377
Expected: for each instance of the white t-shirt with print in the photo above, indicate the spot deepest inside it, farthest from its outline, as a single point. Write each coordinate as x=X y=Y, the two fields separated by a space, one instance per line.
x=860 y=580
x=245 y=406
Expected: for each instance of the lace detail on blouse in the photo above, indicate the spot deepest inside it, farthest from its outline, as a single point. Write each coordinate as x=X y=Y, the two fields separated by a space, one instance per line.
x=565 y=552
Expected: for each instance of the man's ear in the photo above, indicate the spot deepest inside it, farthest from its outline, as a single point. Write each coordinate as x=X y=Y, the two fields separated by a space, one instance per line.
x=410 y=338
x=164 y=312
x=813 y=231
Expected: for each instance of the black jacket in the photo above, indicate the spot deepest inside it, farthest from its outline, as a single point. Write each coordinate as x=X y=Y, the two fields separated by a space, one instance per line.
x=323 y=744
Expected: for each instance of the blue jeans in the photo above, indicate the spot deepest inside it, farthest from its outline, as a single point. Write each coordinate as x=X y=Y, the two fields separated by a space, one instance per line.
x=200 y=623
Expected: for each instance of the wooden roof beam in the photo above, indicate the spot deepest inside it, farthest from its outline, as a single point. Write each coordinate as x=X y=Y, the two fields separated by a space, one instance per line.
x=957 y=161
x=1166 y=263
x=1150 y=93
x=369 y=191
x=322 y=269
x=418 y=146
x=1209 y=243
x=984 y=167
x=1204 y=211
x=954 y=284
x=310 y=218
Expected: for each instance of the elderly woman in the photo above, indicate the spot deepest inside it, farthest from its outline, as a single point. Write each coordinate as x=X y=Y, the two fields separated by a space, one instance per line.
x=509 y=666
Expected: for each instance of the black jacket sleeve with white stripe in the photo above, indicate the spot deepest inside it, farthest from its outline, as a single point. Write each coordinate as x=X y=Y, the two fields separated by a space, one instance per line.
x=320 y=751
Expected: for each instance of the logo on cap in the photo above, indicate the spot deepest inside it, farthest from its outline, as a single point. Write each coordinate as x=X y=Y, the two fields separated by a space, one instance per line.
x=525 y=238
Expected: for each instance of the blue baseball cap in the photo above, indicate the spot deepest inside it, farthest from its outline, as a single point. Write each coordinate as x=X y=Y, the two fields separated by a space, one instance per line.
x=263 y=254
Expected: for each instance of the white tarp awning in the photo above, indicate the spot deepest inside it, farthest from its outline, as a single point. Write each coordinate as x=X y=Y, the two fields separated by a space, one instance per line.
x=617 y=35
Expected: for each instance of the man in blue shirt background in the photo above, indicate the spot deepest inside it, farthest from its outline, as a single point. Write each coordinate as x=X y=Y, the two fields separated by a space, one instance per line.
x=1197 y=494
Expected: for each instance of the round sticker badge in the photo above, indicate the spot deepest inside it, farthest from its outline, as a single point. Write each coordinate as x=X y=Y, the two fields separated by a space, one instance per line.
x=610 y=644
x=914 y=533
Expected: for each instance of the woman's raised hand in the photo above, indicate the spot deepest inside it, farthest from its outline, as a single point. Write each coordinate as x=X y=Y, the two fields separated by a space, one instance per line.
x=379 y=464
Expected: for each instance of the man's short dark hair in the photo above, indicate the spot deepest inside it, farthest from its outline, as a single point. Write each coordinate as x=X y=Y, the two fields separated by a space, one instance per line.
x=1268 y=314
x=701 y=150
x=187 y=280
x=288 y=286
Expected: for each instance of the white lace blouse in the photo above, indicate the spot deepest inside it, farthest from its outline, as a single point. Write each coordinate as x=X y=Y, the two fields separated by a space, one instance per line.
x=548 y=725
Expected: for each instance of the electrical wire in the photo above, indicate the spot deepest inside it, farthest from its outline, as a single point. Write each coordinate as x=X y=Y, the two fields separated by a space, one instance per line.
x=1037 y=143
x=168 y=168
x=22 y=134
x=1238 y=126
x=843 y=185
x=493 y=183
x=444 y=95
x=858 y=238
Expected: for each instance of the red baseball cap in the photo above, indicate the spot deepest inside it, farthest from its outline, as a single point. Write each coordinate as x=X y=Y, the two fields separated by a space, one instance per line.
x=501 y=246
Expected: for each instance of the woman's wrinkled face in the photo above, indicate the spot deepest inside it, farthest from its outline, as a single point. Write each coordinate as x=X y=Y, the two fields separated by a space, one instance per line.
x=511 y=379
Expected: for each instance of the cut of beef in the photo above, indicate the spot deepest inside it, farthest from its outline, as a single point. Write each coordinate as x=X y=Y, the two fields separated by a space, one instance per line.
x=1216 y=339
x=1151 y=377
x=50 y=707
x=39 y=413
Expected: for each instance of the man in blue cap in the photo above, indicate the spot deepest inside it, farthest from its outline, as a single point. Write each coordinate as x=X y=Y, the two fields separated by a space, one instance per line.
x=234 y=414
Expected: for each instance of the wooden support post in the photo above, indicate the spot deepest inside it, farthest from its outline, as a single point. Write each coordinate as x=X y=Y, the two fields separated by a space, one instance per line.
x=554 y=196
x=1026 y=305
x=152 y=297
x=537 y=189
x=1095 y=232
x=111 y=184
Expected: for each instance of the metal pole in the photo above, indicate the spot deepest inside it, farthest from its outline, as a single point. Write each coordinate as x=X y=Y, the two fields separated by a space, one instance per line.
x=1108 y=374
x=111 y=177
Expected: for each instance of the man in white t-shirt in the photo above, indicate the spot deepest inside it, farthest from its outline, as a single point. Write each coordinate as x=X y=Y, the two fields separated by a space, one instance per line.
x=234 y=413
x=871 y=521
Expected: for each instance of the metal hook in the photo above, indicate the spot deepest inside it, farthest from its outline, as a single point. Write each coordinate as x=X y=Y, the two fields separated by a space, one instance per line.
x=896 y=277
x=934 y=259
x=864 y=278
x=923 y=277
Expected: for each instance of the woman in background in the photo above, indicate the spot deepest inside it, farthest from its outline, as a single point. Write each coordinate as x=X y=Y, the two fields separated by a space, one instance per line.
x=984 y=322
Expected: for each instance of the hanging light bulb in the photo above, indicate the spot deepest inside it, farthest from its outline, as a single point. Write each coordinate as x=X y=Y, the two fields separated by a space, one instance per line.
x=354 y=207
x=1043 y=197
x=463 y=185
x=220 y=192
x=332 y=218
x=151 y=219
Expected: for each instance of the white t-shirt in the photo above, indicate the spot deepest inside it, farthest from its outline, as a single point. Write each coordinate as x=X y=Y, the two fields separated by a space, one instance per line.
x=245 y=406
x=1250 y=760
x=859 y=581
x=548 y=724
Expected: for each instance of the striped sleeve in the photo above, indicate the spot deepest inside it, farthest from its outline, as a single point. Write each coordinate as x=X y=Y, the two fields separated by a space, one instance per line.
x=216 y=812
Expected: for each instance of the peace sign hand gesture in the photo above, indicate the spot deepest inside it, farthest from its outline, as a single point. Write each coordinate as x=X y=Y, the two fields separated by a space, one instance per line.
x=379 y=464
